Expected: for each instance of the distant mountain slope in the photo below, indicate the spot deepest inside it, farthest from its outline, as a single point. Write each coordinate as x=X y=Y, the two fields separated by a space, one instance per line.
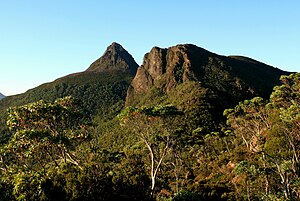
x=1 y=96
x=99 y=88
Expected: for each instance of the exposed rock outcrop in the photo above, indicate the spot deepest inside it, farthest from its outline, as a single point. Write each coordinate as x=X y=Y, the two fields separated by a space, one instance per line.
x=231 y=76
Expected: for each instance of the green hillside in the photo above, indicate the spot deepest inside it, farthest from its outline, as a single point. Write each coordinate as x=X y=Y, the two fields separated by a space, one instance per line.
x=100 y=92
x=96 y=90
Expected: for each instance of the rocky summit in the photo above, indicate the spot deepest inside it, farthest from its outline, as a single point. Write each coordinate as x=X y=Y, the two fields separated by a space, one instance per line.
x=115 y=58
x=233 y=76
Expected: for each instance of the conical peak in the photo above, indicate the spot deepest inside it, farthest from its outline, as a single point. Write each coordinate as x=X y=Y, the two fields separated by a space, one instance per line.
x=115 y=47
x=115 y=58
x=115 y=44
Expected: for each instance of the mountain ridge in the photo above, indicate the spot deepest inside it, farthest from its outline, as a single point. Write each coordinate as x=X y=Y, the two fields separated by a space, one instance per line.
x=171 y=66
x=112 y=78
x=179 y=95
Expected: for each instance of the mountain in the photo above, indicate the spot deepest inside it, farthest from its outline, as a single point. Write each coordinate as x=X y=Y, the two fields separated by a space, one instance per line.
x=101 y=88
x=115 y=58
x=111 y=71
x=201 y=156
x=234 y=76
x=199 y=82
x=194 y=147
x=1 y=96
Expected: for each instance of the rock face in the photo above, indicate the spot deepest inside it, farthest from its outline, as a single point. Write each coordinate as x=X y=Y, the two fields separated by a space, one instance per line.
x=236 y=76
x=1 y=96
x=164 y=68
x=115 y=58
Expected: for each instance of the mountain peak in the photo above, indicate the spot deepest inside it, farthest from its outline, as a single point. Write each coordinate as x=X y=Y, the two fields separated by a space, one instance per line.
x=238 y=77
x=115 y=58
x=115 y=45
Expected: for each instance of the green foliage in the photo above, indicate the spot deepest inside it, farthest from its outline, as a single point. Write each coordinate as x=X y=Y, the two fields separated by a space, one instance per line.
x=44 y=136
x=186 y=196
x=159 y=110
x=130 y=177
x=155 y=127
x=97 y=92
x=173 y=145
x=270 y=130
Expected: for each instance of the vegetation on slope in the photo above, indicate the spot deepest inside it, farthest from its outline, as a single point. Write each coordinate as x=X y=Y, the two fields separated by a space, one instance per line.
x=174 y=144
x=255 y=156
x=100 y=93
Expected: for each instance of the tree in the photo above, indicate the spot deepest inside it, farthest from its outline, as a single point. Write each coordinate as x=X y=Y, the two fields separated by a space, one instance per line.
x=270 y=129
x=44 y=135
x=156 y=128
x=251 y=120
x=286 y=99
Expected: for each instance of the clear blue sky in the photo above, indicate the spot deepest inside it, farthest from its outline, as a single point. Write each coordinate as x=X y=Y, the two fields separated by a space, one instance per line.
x=41 y=40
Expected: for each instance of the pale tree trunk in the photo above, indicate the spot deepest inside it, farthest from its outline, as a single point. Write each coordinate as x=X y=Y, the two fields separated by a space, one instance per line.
x=266 y=178
x=155 y=167
x=284 y=179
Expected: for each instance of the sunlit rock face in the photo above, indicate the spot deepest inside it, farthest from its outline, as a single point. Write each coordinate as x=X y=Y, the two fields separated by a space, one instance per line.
x=234 y=76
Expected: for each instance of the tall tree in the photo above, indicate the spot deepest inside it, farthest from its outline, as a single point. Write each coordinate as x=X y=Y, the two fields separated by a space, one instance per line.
x=156 y=128
x=44 y=135
x=270 y=129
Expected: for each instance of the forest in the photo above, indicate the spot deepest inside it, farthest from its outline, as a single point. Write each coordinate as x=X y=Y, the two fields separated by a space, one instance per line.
x=166 y=150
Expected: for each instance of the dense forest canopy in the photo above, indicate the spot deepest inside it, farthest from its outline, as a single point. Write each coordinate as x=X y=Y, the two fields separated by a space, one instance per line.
x=52 y=153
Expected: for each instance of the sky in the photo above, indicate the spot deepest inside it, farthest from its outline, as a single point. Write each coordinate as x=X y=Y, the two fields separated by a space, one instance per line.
x=42 y=40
